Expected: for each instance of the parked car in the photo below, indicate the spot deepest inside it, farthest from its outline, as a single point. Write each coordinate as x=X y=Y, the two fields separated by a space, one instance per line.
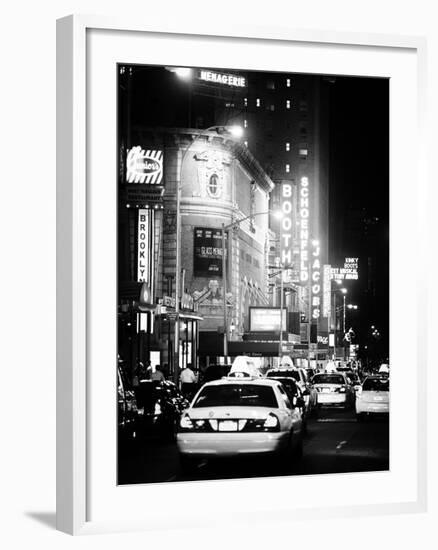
x=299 y=375
x=160 y=405
x=333 y=389
x=127 y=413
x=373 y=397
x=239 y=416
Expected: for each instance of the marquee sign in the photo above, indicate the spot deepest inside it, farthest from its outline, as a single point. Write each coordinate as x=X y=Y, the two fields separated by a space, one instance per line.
x=144 y=166
x=286 y=233
x=143 y=248
x=303 y=214
x=316 y=281
x=222 y=78
x=326 y=291
x=350 y=271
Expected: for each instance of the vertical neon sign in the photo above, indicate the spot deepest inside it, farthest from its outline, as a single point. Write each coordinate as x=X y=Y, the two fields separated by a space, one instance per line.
x=304 y=211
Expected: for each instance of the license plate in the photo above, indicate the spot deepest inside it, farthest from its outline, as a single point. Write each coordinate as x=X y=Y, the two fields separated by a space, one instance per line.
x=228 y=426
x=378 y=399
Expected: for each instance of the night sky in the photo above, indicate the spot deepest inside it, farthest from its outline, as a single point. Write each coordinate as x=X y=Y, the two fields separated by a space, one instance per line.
x=359 y=194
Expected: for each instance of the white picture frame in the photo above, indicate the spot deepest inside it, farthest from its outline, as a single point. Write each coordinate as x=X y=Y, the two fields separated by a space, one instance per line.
x=79 y=494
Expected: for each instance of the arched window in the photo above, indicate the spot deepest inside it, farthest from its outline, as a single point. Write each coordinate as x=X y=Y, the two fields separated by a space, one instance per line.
x=213 y=185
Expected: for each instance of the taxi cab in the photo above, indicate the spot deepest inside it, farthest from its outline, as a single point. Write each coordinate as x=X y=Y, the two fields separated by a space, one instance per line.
x=239 y=415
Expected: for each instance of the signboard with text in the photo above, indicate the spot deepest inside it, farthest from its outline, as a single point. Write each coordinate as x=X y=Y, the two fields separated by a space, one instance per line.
x=350 y=271
x=144 y=166
x=207 y=261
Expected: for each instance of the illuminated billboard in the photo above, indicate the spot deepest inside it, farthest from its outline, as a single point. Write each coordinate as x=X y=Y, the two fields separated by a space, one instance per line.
x=350 y=271
x=222 y=78
x=207 y=259
x=316 y=280
x=266 y=319
x=144 y=166
x=303 y=238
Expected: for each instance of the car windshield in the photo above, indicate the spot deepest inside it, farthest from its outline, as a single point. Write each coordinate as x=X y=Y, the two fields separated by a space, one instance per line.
x=328 y=379
x=237 y=395
x=376 y=384
x=284 y=373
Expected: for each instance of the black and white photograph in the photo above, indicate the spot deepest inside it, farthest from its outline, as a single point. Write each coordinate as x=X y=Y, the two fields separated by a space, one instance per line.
x=253 y=274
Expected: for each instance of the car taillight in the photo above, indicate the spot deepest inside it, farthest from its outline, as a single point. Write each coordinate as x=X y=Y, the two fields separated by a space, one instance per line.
x=272 y=423
x=341 y=389
x=186 y=422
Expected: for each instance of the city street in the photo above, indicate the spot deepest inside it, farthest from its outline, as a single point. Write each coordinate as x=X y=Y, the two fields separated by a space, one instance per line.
x=335 y=443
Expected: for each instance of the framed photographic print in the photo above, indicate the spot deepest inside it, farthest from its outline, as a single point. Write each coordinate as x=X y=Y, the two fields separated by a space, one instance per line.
x=236 y=215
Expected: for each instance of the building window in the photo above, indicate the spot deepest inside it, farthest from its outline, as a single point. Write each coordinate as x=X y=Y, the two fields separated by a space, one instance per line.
x=257 y=102
x=270 y=107
x=270 y=85
x=303 y=152
x=287 y=146
x=248 y=258
x=245 y=102
x=245 y=123
x=287 y=82
x=287 y=103
x=287 y=168
x=213 y=186
x=303 y=105
x=256 y=262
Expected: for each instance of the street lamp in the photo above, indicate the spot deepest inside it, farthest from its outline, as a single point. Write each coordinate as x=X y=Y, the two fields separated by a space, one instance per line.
x=344 y=292
x=232 y=131
x=225 y=228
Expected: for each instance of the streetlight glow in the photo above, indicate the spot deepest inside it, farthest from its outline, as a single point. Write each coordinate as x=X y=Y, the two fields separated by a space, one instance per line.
x=183 y=72
x=344 y=290
x=236 y=131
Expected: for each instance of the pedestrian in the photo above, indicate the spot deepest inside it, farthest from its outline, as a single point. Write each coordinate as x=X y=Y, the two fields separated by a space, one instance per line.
x=188 y=381
x=156 y=375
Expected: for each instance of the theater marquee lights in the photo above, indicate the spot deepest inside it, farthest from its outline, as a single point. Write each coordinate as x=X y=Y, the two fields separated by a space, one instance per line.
x=350 y=271
x=303 y=214
x=316 y=281
x=222 y=78
x=286 y=223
